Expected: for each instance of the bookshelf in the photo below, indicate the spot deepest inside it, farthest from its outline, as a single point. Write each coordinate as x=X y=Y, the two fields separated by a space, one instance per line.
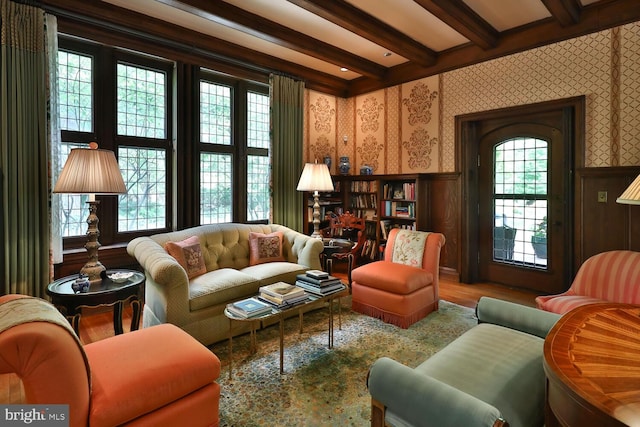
x=385 y=201
x=362 y=200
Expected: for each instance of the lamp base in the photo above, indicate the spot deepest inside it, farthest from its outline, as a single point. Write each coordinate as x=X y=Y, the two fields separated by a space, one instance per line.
x=93 y=270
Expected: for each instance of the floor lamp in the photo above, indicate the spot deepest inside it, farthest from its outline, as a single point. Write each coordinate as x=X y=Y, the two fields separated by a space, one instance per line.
x=91 y=171
x=315 y=177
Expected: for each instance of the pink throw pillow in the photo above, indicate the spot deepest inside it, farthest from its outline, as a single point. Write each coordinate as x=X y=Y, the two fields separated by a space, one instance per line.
x=188 y=253
x=265 y=247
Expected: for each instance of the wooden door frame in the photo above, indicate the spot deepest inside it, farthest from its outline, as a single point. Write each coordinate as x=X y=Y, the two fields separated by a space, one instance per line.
x=467 y=144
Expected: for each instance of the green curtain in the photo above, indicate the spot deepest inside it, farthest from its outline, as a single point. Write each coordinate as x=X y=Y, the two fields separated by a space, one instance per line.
x=24 y=180
x=287 y=112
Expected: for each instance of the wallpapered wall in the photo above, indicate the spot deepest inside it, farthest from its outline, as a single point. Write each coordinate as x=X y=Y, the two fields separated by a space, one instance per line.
x=410 y=128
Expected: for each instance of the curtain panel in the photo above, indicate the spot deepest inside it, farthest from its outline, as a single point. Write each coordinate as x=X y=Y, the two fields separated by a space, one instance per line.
x=287 y=131
x=24 y=180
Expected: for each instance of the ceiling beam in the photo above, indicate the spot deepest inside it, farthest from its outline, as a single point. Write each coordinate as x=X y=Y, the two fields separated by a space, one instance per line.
x=116 y=26
x=249 y=23
x=567 y=12
x=369 y=27
x=460 y=17
x=593 y=18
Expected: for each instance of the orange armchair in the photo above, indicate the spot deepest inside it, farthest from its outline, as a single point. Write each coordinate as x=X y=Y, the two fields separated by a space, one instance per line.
x=158 y=376
x=403 y=287
x=612 y=276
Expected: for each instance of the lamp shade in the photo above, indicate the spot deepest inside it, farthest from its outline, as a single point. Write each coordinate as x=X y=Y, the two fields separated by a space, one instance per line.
x=315 y=177
x=631 y=195
x=90 y=171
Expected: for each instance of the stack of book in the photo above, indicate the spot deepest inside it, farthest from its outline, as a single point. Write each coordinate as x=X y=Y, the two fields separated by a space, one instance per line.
x=282 y=295
x=249 y=307
x=319 y=283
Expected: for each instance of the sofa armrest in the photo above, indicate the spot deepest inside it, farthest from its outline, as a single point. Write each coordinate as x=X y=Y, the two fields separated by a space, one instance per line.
x=305 y=249
x=421 y=400
x=515 y=316
x=167 y=285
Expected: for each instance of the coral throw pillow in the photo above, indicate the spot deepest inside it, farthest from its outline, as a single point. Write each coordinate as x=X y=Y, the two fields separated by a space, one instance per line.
x=265 y=247
x=188 y=253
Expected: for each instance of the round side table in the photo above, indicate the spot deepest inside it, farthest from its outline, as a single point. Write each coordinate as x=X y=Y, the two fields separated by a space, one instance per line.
x=104 y=293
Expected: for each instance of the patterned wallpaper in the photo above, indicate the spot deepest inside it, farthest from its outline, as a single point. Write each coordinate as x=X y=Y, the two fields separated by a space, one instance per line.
x=411 y=127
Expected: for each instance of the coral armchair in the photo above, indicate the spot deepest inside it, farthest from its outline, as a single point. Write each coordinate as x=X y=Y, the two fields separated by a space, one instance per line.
x=612 y=276
x=403 y=287
x=158 y=376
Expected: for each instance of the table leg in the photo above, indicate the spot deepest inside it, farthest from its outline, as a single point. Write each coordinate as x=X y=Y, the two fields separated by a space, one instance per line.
x=135 y=317
x=330 y=322
x=281 y=344
x=75 y=323
x=230 y=350
x=117 y=318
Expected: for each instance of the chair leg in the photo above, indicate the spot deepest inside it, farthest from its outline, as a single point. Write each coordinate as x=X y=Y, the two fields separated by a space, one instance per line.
x=349 y=268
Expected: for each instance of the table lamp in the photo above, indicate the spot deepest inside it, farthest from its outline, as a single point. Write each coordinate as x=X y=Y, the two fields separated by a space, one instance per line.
x=631 y=195
x=315 y=177
x=91 y=171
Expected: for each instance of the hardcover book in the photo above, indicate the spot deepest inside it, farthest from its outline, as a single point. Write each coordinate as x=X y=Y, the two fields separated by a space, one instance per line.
x=250 y=307
x=317 y=274
x=330 y=280
x=282 y=290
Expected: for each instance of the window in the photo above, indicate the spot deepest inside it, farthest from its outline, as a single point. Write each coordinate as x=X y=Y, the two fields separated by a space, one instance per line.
x=191 y=163
x=141 y=111
x=228 y=141
x=75 y=96
x=520 y=201
x=122 y=101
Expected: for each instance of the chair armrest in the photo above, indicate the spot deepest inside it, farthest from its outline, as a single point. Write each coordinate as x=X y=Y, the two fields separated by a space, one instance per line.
x=424 y=401
x=515 y=316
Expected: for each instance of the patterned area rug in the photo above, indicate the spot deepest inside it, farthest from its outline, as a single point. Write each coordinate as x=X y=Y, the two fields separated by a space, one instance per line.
x=322 y=386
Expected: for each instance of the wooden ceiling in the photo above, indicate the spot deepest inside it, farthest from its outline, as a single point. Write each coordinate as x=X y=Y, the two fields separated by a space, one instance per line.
x=380 y=43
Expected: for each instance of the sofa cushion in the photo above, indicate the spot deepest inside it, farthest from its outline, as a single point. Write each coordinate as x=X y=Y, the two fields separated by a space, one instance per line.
x=220 y=287
x=273 y=272
x=498 y=365
x=265 y=247
x=396 y=278
x=188 y=253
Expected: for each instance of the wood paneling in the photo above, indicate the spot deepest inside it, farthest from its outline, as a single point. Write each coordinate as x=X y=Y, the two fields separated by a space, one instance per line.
x=603 y=226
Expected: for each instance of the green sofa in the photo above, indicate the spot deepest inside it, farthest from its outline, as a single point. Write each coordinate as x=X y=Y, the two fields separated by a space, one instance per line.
x=489 y=376
x=197 y=305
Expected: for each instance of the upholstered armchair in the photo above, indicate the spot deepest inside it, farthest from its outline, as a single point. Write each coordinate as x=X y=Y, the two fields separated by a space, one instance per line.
x=612 y=276
x=158 y=376
x=403 y=287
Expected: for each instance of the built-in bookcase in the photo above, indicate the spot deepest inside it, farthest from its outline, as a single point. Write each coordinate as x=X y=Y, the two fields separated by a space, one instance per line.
x=385 y=201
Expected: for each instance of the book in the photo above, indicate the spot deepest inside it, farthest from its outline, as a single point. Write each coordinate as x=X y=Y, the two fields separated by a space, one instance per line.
x=282 y=290
x=317 y=274
x=330 y=280
x=249 y=307
x=283 y=304
x=316 y=290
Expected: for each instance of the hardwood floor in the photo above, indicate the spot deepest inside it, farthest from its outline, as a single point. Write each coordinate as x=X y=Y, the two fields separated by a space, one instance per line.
x=98 y=324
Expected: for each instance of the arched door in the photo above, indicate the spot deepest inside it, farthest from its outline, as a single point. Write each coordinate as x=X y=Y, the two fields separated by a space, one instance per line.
x=522 y=206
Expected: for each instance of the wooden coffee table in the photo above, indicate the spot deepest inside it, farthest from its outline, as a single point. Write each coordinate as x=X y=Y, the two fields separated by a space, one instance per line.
x=592 y=364
x=281 y=315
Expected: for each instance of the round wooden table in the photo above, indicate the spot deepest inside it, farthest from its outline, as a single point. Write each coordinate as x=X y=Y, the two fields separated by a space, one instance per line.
x=592 y=364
